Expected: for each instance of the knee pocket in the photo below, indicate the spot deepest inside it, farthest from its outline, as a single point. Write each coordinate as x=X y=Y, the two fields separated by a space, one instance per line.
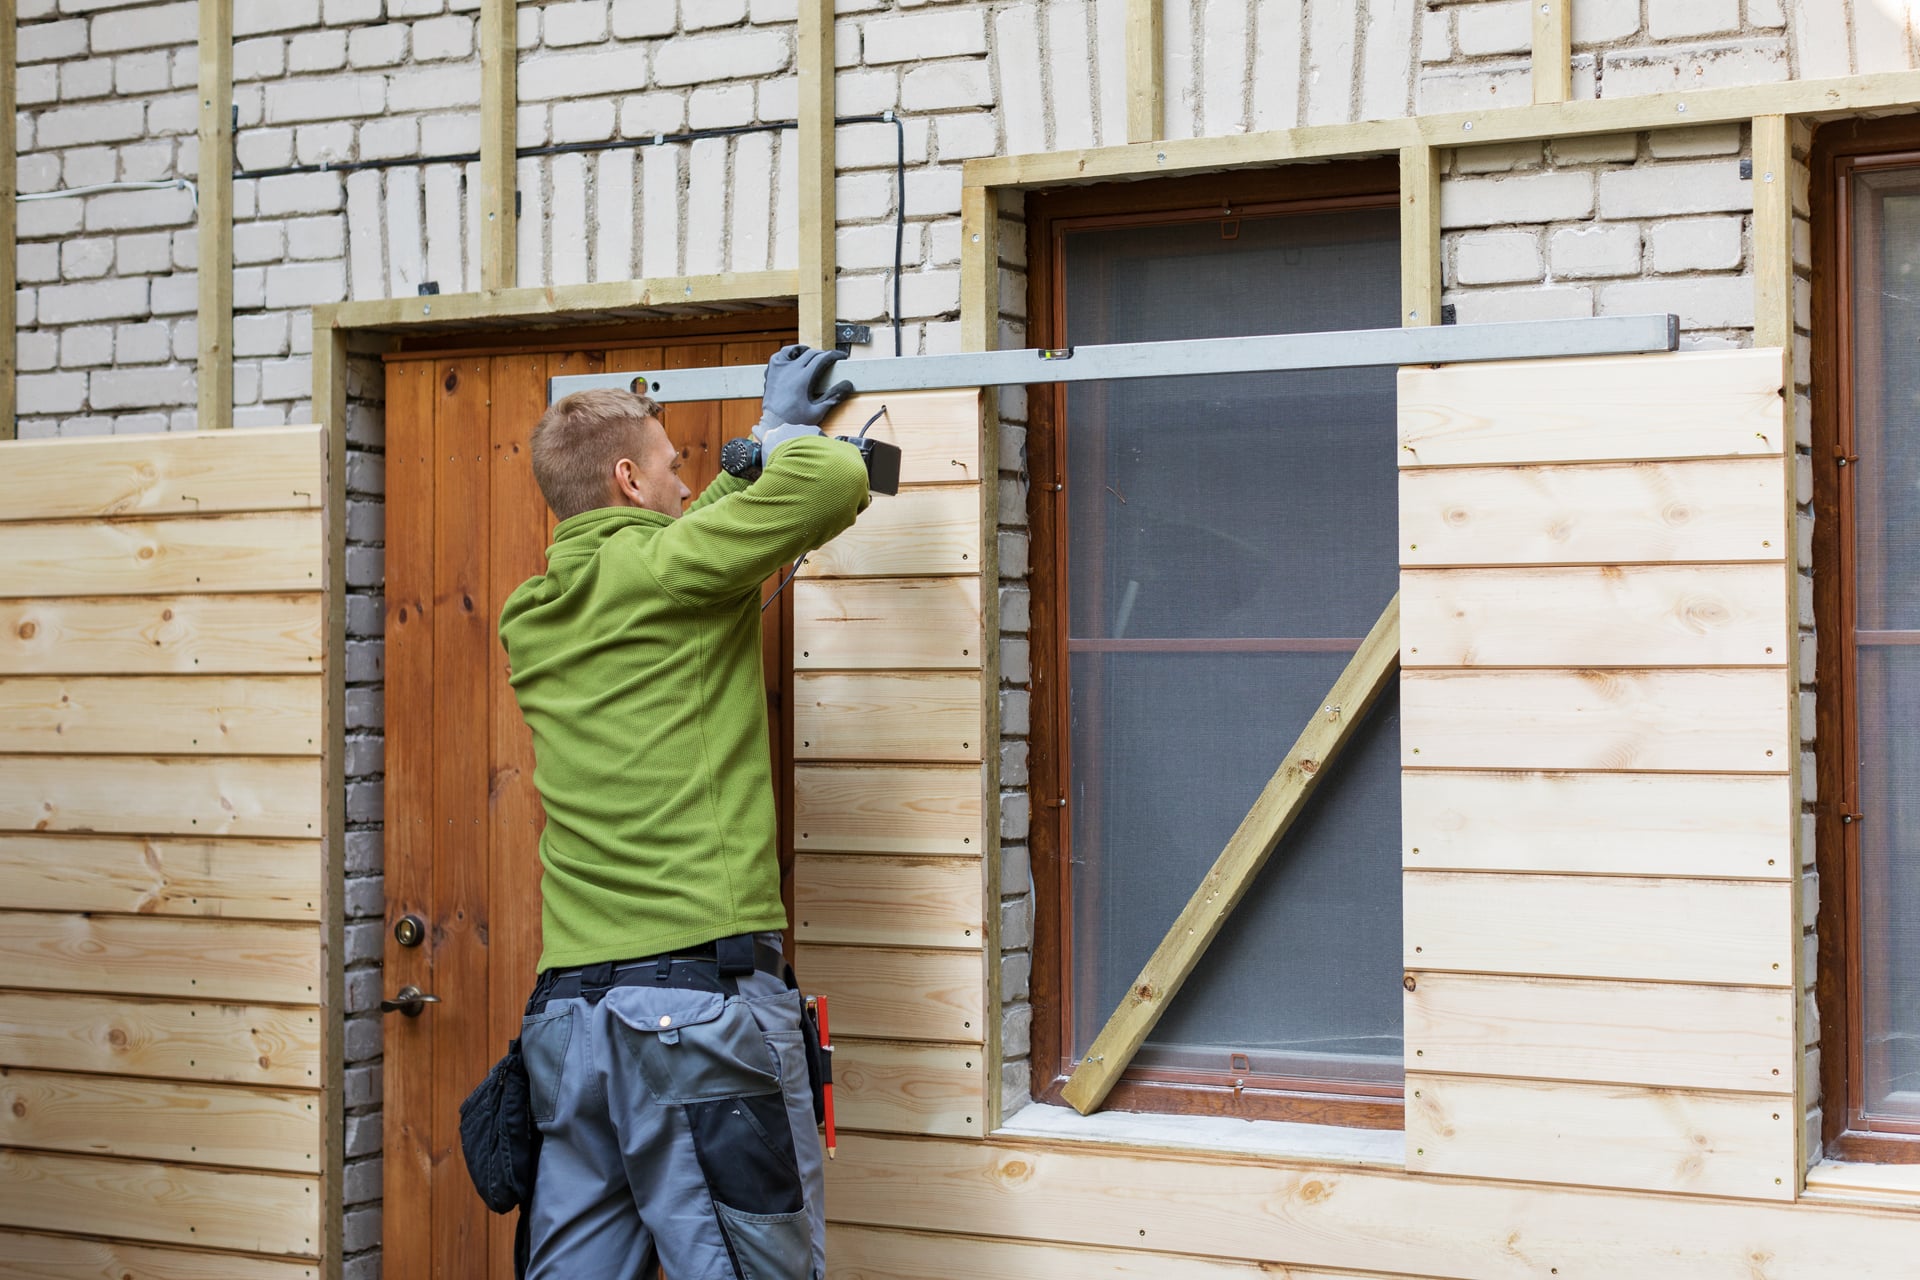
x=745 y=1149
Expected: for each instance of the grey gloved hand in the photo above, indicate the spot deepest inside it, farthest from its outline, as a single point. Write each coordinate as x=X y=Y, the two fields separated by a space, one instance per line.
x=792 y=376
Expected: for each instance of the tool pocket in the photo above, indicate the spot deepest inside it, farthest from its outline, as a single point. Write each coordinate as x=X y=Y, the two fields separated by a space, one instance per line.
x=693 y=1046
x=543 y=1043
x=745 y=1149
x=768 y=1246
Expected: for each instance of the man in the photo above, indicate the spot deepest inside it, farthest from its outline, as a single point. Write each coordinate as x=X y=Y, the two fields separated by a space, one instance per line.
x=664 y=1052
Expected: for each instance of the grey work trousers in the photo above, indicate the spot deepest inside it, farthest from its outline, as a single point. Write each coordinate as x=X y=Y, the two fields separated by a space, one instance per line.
x=677 y=1131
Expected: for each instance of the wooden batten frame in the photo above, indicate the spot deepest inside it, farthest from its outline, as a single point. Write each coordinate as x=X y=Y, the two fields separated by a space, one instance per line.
x=499 y=137
x=1146 y=102
x=1552 y=50
x=1419 y=235
x=817 y=263
x=1234 y=871
x=9 y=265
x=214 y=374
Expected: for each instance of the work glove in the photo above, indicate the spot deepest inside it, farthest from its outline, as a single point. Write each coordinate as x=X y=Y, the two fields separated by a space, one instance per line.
x=792 y=376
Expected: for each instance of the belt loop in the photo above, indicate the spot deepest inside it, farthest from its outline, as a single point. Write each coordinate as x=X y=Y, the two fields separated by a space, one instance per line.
x=594 y=981
x=734 y=955
x=663 y=969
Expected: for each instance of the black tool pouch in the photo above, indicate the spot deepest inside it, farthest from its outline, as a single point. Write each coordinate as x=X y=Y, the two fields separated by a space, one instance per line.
x=819 y=1060
x=498 y=1137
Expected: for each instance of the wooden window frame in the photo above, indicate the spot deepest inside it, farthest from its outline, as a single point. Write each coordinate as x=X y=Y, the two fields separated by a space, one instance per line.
x=1367 y=184
x=1840 y=152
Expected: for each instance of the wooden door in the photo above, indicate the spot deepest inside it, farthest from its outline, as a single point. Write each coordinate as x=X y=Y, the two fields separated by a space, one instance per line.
x=465 y=526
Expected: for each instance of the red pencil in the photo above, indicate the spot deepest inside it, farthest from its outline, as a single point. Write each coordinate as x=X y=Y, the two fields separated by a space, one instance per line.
x=826 y=1048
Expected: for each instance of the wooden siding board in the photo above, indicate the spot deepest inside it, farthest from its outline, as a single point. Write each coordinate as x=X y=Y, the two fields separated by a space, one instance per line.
x=1645 y=824
x=909 y=902
x=1701 y=931
x=894 y=993
x=249 y=1128
x=154 y=715
x=891 y=624
x=34 y=1256
x=921 y=809
x=1694 y=721
x=938 y=432
x=167 y=795
x=178 y=473
x=172 y=1039
x=920 y=532
x=1706 y=404
x=243 y=960
x=1607 y=514
x=1667 y=1140
x=891 y=716
x=897 y=1087
x=237 y=553
x=1663 y=1034
x=1644 y=616
x=155 y=635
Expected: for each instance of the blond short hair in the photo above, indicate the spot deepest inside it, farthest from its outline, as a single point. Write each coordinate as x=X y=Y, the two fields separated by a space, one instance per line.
x=579 y=439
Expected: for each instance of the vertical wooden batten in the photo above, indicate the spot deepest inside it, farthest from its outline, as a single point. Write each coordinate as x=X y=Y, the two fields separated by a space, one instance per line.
x=214 y=375
x=499 y=138
x=9 y=266
x=1552 y=50
x=814 y=56
x=1145 y=83
x=1419 y=235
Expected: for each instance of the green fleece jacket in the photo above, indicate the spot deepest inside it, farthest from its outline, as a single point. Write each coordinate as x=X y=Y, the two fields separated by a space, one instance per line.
x=636 y=662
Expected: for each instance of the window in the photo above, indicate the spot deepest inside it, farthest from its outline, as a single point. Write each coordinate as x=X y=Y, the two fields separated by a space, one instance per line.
x=1866 y=461
x=1215 y=552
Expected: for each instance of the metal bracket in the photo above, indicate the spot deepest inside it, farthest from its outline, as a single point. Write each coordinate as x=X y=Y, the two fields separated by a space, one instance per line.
x=1351 y=349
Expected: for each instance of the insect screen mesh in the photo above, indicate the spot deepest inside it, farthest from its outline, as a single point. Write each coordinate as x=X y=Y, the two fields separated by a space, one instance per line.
x=1230 y=540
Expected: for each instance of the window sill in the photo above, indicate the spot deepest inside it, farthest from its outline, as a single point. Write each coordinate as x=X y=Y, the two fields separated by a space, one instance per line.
x=1212 y=1135
x=1879 y=1184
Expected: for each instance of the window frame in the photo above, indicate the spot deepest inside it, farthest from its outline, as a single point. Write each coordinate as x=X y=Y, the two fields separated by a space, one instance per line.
x=1841 y=152
x=1367 y=184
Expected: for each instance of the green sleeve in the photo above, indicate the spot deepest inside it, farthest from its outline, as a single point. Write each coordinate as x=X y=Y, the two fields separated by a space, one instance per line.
x=717 y=488
x=810 y=493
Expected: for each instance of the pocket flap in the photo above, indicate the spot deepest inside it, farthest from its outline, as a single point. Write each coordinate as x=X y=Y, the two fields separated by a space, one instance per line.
x=664 y=1010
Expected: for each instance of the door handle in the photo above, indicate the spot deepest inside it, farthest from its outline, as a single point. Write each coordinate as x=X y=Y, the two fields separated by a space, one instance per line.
x=409 y=1000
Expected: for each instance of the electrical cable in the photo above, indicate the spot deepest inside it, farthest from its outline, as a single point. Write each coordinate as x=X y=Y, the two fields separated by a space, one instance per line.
x=157 y=184
x=616 y=144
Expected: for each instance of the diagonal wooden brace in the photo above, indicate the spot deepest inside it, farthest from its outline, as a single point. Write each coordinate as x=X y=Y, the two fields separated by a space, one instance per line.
x=1233 y=872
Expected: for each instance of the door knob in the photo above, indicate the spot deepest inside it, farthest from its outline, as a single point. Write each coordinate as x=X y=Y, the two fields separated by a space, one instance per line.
x=409 y=1000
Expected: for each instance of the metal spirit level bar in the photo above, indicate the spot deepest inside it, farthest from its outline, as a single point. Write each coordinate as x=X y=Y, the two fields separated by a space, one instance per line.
x=1357 y=348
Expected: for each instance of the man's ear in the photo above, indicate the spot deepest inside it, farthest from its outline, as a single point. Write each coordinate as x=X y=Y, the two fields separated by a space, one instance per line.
x=626 y=486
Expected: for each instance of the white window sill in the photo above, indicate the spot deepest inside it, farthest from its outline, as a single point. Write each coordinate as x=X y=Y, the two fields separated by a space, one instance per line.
x=1882 y=1184
x=1213 y=1135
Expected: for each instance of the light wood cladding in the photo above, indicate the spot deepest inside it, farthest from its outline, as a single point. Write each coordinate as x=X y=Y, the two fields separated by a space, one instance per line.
x=1704 y=404
x=1644 y=824
x=1599 y=798
x=894 y=993
x=164 y=1005
x=1737 y=1144
x=908 y=902
x=897 y=1087
x=1605 y=513
x=181 y=635
x=924 y=529
x=874 y=808
x=894 y=716
x=938 y=432
x=886 y=624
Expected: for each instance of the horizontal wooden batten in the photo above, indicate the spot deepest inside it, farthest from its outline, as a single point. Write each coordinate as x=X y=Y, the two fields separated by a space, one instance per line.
x=51 y=1257
x=1698 y=931
x=182 y=635
x=167 y=1039
x=921 y=531
x=1706 y=404
x=1605 y=514
x=1665 y=1140
x=161 y=1120
x=870 y=808
x=154 y=715
x=177 y=795
x=1659 y=1034
x=235 y=879
x=250 y=960
x=1737 y=826
x=183 y=554
x=1289 y=1213
x=273 y=1213
x=896 y=1087
x=907 y=902
x=868 y=1253
x=938 y=432
x=889 y=993
x=657 y=298
x=1645 y=616
x=887 y=624
x=177 y=473
x=888 y=716
x=1727 y=721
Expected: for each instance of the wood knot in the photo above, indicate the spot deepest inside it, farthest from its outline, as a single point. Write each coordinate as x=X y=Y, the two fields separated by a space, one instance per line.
x=20 y=1107
x=1314 y=1191
x=28 y=630
x=1143 y=992
x=1457 y=516
x=265 y=1062
x=1309 y=766
x=1409 y=982
x=146 y=553
x=1013 y=1171
x=452 y=380
x=166 y=615
x=117 y=1037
